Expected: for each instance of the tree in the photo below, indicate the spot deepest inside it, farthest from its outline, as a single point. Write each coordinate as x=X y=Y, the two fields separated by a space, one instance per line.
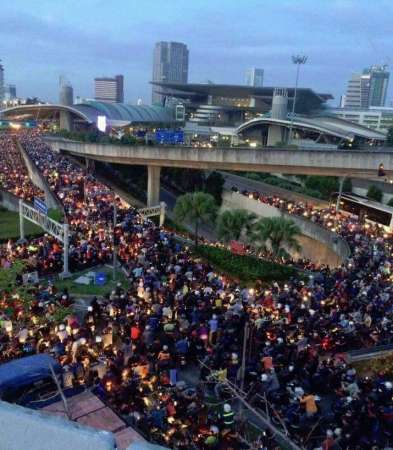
x=326 y=185
x=197 y=208
x=10 y=283
x=276 y=234
x=389 y=137
x=374 y=193
x=232 y=224
x=214 y=185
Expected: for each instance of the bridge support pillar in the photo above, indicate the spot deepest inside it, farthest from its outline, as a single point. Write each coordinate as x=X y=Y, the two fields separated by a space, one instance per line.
x=153 y=185
x=65 y=121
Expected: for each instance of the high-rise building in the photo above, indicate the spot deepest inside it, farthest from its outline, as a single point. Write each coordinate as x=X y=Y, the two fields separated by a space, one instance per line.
x=254 y=77
x=1 y=81
x=9 y=92
x=170 y=64
x=109 y=89
x=367 y=89
x=379 y=81
x=66 y=92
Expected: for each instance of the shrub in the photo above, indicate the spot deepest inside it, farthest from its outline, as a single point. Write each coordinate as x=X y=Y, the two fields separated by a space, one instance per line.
x=374 y=193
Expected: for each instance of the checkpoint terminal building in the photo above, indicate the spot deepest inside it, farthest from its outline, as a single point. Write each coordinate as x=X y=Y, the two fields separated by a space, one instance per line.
x=214 y=114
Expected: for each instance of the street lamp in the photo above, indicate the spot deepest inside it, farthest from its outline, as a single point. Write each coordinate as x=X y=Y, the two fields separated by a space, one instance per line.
x=298 y=60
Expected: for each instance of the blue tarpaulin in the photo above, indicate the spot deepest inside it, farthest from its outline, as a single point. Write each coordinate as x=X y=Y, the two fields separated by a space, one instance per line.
x=24 y=371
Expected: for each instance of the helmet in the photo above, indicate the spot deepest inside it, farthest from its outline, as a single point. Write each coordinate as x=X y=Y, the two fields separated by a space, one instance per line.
x=264 y=377
x=388 y=385
x=227 y=408
x=90 y=308
x=61 y=327
x=83 y=341
x=214 y=429
x=329 y=433
x=280 y=340
x=214 y=317
x=165 y=348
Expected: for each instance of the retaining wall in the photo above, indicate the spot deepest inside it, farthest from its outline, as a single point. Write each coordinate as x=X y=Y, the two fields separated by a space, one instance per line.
x=318 y=244
x=9 y=201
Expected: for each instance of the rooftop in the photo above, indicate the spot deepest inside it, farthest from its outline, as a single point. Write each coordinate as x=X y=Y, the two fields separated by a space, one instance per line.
x=233 y=90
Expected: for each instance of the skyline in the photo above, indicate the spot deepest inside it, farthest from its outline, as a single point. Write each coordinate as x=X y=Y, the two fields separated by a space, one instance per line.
x=339 y=36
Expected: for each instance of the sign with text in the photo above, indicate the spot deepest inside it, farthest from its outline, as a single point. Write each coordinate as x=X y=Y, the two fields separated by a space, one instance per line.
x=40 y=206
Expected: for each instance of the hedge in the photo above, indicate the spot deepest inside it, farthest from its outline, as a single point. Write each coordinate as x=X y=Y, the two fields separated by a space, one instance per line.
x=245 y=268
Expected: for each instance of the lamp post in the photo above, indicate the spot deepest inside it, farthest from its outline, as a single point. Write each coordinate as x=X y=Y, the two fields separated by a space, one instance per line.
x=298 y=60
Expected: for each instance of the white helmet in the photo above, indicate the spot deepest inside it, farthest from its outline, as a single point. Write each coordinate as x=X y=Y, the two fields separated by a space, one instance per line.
x=165 y=348
x=214 y=429
x=264 y=377
x=61 y=327
x=90 y=308
x=388 y=385
x=227 y=408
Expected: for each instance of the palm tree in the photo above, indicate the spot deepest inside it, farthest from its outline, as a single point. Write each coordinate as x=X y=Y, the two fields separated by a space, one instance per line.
x=276 y=234
x=197 y=208
x=232 y=224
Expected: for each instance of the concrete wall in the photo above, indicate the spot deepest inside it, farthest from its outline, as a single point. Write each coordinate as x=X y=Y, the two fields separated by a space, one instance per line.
x=359 y=163
x=25 y=429
x=318 y=244
x=39 y=180
x=9 y=201
x=360 y=187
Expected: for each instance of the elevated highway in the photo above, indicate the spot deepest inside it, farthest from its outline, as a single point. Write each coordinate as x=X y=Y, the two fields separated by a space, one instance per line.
x=359 y=163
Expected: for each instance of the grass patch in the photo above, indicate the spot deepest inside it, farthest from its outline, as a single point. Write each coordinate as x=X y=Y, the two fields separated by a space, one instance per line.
x=9 y=226
x=92 y=289
x=247 y=269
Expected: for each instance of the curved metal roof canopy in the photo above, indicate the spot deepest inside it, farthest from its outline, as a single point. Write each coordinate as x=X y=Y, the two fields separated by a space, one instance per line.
x=323 y=124
x=119 y=114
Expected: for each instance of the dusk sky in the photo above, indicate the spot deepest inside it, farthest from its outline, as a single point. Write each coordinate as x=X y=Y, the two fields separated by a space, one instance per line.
x=81 y=39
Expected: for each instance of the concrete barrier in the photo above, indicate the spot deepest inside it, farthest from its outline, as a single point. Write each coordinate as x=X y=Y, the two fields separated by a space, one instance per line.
x=318 y=244
x=9 y=201
x=39 y=180
x=22 y=428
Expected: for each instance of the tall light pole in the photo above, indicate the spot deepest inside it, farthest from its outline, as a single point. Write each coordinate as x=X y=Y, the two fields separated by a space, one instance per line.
x=298 y=60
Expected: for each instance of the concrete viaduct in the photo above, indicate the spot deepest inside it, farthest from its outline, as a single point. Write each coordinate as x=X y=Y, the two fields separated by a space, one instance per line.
x=353 y=163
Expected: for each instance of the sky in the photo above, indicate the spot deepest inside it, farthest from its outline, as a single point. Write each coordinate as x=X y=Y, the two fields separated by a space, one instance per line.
x=81 y=39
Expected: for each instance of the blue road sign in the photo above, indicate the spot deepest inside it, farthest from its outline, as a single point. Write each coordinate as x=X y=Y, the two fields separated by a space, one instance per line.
x=40 y=206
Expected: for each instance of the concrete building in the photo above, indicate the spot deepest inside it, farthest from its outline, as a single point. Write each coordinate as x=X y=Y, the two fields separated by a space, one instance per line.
x=367 y=89
x=108 y=89
x=377 y=118
x=254 y=77
x=1 y=82
x=170 y=65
